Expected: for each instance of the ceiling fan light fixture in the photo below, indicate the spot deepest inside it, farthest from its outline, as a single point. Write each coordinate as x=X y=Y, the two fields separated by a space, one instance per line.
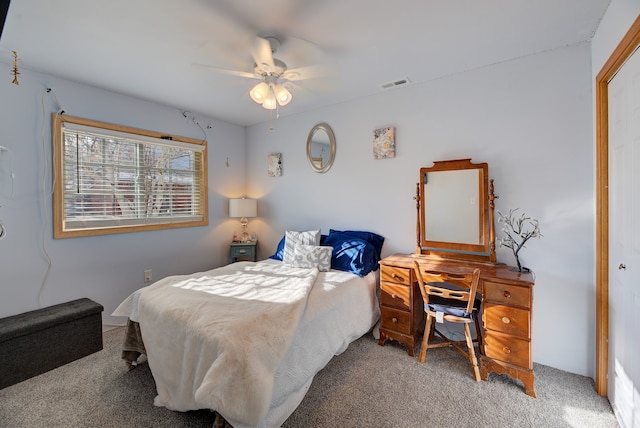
x=270 y=94
x=270 y=102
x=260 y=92
x=283 y=96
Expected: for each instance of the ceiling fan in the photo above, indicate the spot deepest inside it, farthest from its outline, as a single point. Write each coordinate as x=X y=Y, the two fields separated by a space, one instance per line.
x=275 y=78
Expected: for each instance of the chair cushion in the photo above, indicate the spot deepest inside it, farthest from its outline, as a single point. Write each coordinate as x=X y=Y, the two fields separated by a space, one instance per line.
x=453 y=307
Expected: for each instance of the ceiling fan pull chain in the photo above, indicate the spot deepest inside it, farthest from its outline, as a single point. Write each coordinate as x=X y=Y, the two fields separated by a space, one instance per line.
x=270 y=120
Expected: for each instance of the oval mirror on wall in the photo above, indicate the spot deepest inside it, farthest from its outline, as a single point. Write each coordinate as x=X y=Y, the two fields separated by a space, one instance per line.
x=321 y=147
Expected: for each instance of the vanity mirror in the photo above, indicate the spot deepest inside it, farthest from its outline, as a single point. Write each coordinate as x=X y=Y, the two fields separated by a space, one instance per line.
x=321 y=147
x=455 y=205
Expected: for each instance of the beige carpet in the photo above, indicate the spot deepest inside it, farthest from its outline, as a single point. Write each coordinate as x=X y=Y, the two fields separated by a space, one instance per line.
x=366 y=386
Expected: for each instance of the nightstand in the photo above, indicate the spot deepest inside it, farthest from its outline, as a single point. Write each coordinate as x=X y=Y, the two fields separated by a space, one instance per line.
x=243 y=250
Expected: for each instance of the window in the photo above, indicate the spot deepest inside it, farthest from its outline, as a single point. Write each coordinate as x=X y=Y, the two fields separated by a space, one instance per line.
x=114 y=179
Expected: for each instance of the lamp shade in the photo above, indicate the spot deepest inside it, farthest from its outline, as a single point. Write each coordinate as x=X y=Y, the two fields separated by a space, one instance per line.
x=243 y=208
x=270 y=101
x=259 y=92
x=282 y=94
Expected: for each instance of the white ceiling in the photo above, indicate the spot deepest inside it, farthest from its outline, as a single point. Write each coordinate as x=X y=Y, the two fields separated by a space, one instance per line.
x=148 y=48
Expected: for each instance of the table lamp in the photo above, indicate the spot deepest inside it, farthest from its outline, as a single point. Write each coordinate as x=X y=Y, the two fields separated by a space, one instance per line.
x=243 y=208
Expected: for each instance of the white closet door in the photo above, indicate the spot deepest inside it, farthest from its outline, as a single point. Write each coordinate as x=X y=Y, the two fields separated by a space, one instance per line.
x=624 y=243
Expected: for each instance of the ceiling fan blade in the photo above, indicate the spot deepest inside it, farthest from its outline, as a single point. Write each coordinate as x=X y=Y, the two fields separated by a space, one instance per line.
x=309 y=72
x=316 y=87
x=226 y=71
x=305 y=93
x=297 y=52
x=233 y=54
x=261 y=53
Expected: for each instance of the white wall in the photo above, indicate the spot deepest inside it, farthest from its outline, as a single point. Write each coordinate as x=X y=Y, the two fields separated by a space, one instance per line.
x=104 y=268
x=529 y=118
x=613 y=26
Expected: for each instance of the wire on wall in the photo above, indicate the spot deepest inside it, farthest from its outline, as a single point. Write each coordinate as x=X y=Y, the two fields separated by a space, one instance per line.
x=191 y=118
x=46 y=194
x=13 y=174
x=3 y=231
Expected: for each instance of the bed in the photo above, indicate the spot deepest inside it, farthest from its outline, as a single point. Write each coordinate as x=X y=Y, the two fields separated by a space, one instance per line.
x=245 y=340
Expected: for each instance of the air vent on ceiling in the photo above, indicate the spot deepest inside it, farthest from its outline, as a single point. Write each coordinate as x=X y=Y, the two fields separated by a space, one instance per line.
x=395 y=83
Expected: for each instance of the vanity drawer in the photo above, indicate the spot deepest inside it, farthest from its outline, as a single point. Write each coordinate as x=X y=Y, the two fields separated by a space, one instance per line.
x=395 y=295
x=395 y=274
x=396 y=320
x=507 y=319
x=507 y=294
x=507 y=348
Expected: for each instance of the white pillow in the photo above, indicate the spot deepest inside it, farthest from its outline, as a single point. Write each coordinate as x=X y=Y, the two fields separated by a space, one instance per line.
x=308 y=256
x=310 y=237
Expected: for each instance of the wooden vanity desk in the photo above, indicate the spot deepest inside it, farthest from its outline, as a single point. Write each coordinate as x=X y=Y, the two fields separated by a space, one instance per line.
x=455 y=231
x=507 y=303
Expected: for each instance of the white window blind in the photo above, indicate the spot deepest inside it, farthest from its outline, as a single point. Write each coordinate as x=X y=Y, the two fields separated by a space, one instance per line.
x=114 y=178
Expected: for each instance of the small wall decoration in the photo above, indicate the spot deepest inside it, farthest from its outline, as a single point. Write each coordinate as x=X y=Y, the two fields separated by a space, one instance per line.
x=384 y=143
x=275 y=164
x=14 y=71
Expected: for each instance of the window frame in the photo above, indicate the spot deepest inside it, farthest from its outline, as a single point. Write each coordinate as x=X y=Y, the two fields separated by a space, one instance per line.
x=58 y=173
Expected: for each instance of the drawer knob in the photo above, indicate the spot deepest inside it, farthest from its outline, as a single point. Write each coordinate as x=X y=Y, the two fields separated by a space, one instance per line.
x=393 y=275
x=242 y=251
x=394 y=320
x=506 y=350
x=507 y=294
x=506 y=320
x=394 y=296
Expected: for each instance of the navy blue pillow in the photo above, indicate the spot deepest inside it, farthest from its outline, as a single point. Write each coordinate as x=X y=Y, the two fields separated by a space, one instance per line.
x=352 y=254
x=372 y=238
x=279 y=254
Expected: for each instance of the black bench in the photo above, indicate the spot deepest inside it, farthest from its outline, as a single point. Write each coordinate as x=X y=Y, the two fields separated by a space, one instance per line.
x=41 y=340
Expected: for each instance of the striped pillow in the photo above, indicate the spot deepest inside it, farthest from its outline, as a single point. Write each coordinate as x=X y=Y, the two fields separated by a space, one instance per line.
x=292 y=238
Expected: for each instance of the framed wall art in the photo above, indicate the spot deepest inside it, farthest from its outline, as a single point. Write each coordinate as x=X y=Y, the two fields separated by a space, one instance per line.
x=384 y=143
x=274 y=168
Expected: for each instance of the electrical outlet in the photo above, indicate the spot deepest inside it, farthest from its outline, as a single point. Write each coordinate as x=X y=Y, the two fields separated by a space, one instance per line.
x=148 y=276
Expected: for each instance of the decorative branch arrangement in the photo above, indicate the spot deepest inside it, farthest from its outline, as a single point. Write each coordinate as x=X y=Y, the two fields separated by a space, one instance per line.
x=517 y=232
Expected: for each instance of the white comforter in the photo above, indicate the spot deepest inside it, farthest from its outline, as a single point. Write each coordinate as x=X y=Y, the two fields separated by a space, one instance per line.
x=341 y=307
x=218 y=345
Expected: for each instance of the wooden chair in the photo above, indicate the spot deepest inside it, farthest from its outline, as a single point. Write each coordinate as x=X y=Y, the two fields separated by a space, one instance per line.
x=449 y=297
